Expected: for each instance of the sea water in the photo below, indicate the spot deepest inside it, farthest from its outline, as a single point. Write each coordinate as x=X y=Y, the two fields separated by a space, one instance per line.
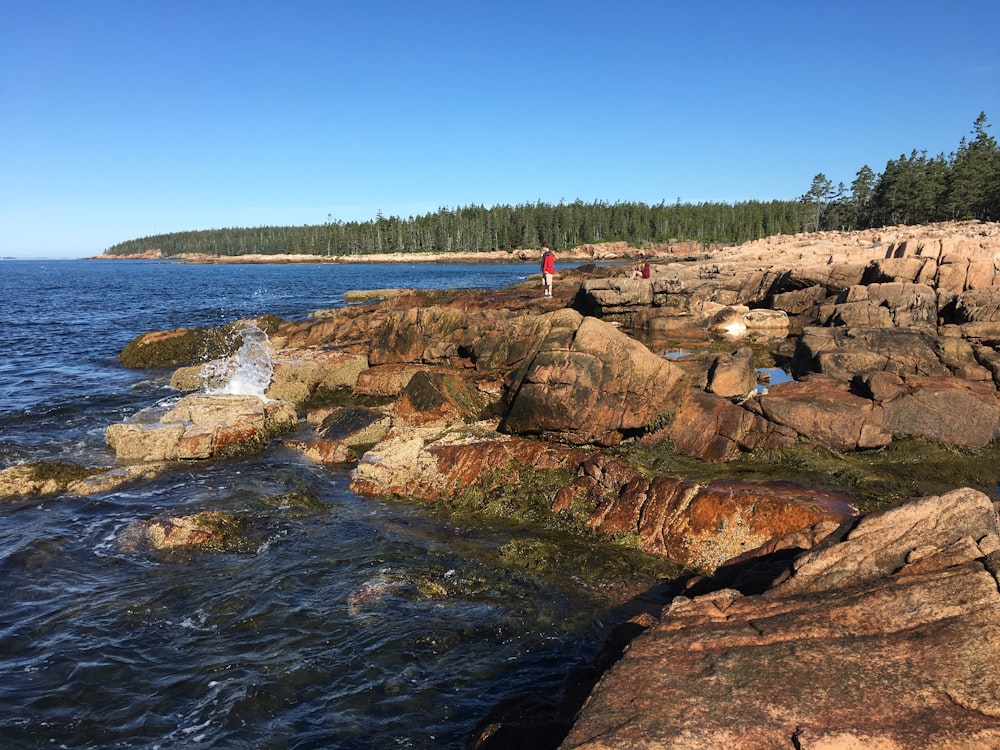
x=345 y=622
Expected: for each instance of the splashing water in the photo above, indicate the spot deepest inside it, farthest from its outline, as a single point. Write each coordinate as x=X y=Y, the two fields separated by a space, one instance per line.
x=248 y=373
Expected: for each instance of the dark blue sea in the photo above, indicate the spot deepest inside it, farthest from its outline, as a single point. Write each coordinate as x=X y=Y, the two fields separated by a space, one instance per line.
x=323 y=635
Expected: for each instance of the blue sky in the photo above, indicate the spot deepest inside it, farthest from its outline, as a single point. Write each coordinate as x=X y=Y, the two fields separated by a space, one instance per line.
x=122 y=119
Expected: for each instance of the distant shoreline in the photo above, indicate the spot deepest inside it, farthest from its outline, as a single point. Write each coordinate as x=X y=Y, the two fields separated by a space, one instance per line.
x=611 y=251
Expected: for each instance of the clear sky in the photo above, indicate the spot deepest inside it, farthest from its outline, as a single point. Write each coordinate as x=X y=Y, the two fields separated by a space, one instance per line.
x=126 y=118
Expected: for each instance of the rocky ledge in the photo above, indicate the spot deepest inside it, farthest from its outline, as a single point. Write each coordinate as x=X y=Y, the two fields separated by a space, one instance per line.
x=886 y=635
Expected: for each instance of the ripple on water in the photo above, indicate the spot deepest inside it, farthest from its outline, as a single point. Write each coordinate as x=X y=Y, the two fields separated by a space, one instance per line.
x=351 y=621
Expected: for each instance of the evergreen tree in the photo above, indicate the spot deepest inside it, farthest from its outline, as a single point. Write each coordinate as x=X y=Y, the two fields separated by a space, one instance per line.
x=975 y=176
x=820 y=193
x=861 y=195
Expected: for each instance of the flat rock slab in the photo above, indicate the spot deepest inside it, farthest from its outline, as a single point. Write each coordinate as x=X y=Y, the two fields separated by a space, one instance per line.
x=887 y=637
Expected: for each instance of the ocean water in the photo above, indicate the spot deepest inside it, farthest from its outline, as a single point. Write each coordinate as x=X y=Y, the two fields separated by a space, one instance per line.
x=346 y=622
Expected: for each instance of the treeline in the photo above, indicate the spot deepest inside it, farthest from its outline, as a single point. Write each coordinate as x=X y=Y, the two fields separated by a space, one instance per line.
x=479 y=229
x=913 y=189
x=916 y=189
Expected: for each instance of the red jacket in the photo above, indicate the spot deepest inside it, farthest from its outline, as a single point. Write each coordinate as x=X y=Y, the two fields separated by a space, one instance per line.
x=548 y=263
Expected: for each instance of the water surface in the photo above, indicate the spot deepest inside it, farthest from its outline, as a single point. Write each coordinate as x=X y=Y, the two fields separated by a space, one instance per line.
x=344 y=622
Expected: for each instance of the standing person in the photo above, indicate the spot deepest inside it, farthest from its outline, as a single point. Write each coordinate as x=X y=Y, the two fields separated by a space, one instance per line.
x=548 y=269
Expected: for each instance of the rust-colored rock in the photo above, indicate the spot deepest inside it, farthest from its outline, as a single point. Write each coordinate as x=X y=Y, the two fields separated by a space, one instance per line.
x=703 y=525
x=712 y=428
x=946 y=410
x=429 y=464
x=323 y=451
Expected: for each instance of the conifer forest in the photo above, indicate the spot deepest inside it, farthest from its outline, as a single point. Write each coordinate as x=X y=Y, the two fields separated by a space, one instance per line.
x=910 y=189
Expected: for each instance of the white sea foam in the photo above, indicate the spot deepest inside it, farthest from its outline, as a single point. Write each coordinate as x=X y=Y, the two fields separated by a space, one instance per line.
x=249 y=372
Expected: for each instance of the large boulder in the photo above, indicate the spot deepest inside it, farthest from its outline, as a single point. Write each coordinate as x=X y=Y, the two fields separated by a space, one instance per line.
x=844 y=353
x=616 y=298
x=880 y=405
x=899 y=304
x=885 y=635
x=826 y=412
x=432 y=464
x=203 y=426
x=945 y=410
x=726 y=374
x=586 y=382
x=980 y=305
x=187 y=346
x=712 y=428
x=703 y=525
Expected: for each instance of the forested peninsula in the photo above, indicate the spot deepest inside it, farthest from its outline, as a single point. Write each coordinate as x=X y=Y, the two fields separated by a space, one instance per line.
x=914 y=189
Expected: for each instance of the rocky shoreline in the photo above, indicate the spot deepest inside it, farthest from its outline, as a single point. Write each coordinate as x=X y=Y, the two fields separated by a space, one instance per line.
x=806 y=617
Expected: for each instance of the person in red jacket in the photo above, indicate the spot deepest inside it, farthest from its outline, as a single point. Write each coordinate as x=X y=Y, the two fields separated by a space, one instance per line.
x=548 y=269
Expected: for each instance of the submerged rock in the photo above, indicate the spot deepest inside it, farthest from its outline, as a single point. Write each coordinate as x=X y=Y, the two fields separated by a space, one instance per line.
x=207 y=530
x=40 y=478
x=45 y=479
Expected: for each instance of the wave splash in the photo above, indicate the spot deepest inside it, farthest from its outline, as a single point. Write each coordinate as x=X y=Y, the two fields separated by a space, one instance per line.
x=248 y=373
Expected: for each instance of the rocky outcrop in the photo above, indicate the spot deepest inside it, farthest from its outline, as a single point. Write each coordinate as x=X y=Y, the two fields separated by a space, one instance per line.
x=875 y=636
x=917 y=303
x=902 y=276
x=824 y=411
x=885 y=635
x=586 y=382
x=702 y=525
x=203 y=426
x=187 y=346
x=433 y=464
x=713 y=428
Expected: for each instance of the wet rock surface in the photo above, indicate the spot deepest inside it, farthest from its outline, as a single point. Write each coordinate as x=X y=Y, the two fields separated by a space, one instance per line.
x=203 y=427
